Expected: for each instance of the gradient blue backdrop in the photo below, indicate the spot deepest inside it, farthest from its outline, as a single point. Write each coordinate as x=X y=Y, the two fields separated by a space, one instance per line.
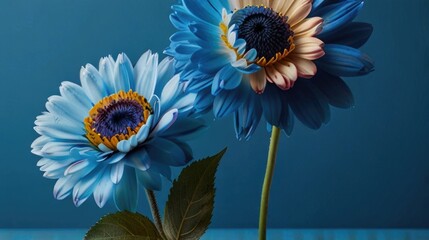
x=368 y=167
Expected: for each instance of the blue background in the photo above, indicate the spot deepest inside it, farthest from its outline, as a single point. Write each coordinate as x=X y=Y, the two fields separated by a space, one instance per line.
x=368 y=167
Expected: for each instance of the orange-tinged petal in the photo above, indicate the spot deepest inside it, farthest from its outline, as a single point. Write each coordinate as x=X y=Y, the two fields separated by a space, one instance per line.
x=309 y=48
x=276 y=77
x=267 y=3
x=306 y=68
x=308 y=27
x=248 y=2
x=258 y=81
x=303 y=41
x=298 y=11
x=288 y=71
x=283 y=74
x=235 y=4
x=281 y=6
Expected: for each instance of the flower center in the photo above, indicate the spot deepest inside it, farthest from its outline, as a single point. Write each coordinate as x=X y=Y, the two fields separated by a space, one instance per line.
x=266 y=31
x=116 y=117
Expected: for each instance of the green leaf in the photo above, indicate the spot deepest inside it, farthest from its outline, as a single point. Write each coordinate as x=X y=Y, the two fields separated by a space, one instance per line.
x=189 y=208
x=123 y=226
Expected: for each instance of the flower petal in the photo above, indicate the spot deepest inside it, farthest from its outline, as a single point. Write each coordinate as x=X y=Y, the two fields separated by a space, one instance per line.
x=123 y=73
x=104 y=148
x=170 y=91
x=165 y=122
x=56 y=148
x=271 y=105
x=307 y=106
x=227 y=78
x=317 y=3
x=155 y=102
x=228 y=101
x=124 y=145
x=162 y=169
x=298 y=11
x=204 y=101
x=39 y=142
x=117 y=172
x=60 y=106
x=282 y=6
x=185 y=103
x=335 y=89
x=150 y=180
x=355 y=35
x=106 y=69
x=48 y=165
x=85 y=187
x=126 y=191
x=103 y=189
x=92 y=83
x=58 y=134
x=309 y=48
x=205 y=10
x=247 y=117
x=210 y=61
x=143 y=133
x=78 y=166
x=183 y=127
x=198 y=84
x=116 y=157
x=337 y=15
x=258 y=81
x=138 y=159
x=75 y=95
x=166 y=151
x=184 y=51
x=286 y=116
x=345 y=61
x=204 y=31
x=146 y=71
x=308 y=27
x=64 y=185
x=165 y=73
x=283 y=74
x=59 y=123
x=181 y=17
x=305 y=68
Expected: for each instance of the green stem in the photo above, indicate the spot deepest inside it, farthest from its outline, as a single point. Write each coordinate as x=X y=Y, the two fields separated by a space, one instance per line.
x=271 y=160
x=155 y=212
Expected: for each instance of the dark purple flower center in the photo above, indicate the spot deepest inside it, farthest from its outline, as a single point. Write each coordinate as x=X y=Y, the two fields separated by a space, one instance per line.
x=264 y=30
x=117 y=117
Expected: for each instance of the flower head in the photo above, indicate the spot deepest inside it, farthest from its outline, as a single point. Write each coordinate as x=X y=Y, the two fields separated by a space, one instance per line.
x=123 y=127
x=269 y=57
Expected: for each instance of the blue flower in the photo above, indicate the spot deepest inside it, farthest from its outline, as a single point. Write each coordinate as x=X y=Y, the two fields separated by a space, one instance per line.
x=123 y=127
x=277 y=58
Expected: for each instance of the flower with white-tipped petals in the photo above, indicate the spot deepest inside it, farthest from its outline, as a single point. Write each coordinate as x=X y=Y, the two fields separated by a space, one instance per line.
x=122 y=128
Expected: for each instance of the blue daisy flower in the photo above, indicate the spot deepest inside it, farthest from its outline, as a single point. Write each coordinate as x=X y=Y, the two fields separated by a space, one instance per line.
x=122 y=128
x=277 y=58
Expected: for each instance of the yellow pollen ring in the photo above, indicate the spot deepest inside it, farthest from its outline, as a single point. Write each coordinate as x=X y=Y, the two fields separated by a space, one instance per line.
x=96 y=138
x=279 y=56
x=224 y=38
x=262 y=61
x=259 y=61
